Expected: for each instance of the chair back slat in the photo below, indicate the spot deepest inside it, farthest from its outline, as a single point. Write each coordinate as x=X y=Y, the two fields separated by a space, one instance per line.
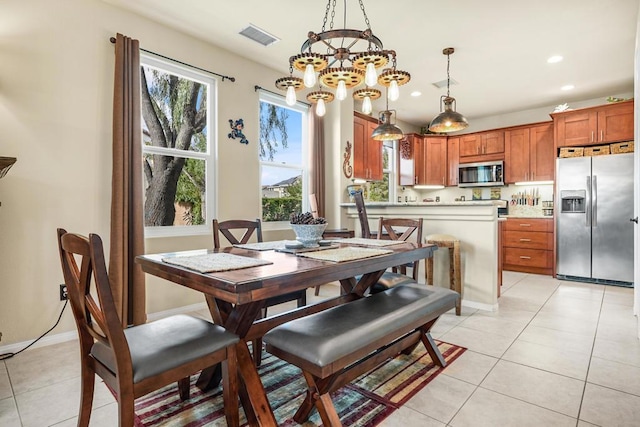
x=408 y=227
x=232 y=228
x=95 y=320
x=362 y=214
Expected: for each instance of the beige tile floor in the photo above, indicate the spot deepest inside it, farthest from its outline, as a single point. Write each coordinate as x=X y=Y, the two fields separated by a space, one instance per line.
x=556 y=353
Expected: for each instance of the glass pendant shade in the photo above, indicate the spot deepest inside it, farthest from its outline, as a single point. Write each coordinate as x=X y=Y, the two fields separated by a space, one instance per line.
x=387 y=131
x=366 y=105
x=370 y=76
x=449 y=120
x=394 y=91
x=320 y=108
x=291 y=96
x=341 y=91
x=309 y=76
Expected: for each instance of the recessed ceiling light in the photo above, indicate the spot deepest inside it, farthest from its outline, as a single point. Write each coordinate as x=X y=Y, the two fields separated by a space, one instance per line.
x=553 y=59
x=416 y=93
x=567 y=87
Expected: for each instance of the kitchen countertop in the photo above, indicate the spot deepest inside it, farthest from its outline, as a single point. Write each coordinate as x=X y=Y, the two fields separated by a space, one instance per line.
x=430 y=204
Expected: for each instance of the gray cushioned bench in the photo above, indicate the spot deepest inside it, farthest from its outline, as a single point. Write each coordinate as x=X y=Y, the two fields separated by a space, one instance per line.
x=339 y=344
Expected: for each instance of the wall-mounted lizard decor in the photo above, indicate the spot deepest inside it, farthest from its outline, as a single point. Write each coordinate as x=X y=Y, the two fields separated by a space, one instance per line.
x=346 y=165
x=236 y=131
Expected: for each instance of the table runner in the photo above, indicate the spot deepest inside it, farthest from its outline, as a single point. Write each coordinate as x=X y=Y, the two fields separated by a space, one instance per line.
x=369 y=242
x=345 y=254
x=209 y=263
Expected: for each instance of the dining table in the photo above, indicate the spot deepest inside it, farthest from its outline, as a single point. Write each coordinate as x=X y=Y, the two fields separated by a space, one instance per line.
x=236 y=281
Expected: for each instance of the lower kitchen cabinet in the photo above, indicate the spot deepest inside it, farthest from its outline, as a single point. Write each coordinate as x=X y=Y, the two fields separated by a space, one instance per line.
x=527 y=245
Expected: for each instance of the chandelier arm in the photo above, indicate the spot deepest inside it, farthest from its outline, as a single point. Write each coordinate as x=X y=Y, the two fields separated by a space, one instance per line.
x=336 y=34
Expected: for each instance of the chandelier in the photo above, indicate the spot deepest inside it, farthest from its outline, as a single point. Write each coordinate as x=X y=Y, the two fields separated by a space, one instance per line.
x=449 y=120
x=343 y=59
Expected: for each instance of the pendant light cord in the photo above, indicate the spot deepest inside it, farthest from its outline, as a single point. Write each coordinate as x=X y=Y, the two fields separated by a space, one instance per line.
x=448 y=77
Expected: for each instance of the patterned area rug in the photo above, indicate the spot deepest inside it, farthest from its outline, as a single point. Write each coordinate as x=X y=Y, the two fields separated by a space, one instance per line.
x=365 y=402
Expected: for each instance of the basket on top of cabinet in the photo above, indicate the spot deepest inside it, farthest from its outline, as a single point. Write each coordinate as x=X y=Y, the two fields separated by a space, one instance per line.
x=622 y=147
x=571 y=152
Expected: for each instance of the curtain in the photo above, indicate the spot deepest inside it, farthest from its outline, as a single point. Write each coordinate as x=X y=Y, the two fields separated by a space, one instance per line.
x=317 y=161
x=127 y=229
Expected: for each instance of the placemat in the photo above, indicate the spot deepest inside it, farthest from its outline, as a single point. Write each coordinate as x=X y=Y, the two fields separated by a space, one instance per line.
x=210 y=263
x=300 y=250
x=345 y=254
x=263 y=246
x=370 y=242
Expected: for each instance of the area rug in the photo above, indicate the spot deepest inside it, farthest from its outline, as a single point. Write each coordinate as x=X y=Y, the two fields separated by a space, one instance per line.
x=364 y=402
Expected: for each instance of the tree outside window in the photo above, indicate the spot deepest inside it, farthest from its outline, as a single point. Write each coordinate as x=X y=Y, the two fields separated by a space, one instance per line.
x=177 y=150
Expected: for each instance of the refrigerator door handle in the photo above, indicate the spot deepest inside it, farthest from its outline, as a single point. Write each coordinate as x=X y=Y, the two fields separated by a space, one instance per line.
x=588 y=207
x=594 y=200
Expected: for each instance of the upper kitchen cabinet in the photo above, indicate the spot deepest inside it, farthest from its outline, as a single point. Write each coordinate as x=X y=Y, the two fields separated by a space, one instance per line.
x=482 y=146
x=594 y=125
x=453 y=160
x=436 y=160
x=367 y=152
x=529 y=153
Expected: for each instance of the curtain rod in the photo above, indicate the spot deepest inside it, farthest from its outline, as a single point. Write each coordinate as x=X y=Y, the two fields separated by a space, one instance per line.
x=233 y=79
x=257 y=88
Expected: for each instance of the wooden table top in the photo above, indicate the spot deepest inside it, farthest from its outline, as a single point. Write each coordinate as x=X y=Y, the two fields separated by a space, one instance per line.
x=287 y=273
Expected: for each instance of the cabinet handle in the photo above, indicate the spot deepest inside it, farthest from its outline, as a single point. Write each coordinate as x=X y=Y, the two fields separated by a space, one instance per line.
x=601 y=135
x=525 y=225
x=592 y=136
x=415 y=179
x=525 y=240
x=524 y=257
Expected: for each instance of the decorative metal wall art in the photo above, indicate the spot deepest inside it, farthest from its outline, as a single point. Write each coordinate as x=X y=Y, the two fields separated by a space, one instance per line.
x=236 y=131
x=346 y=164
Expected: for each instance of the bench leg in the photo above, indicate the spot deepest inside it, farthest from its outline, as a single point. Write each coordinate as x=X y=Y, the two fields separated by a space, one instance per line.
x=321 y=400
x=430 y=345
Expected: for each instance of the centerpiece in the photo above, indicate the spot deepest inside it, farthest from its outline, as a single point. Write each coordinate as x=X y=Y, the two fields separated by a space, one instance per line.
x=307 y=228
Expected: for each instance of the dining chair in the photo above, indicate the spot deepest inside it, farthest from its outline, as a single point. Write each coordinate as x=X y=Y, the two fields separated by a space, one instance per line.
x=399 y=229
x=239 y=231
x=365 y=231
x=140 y=359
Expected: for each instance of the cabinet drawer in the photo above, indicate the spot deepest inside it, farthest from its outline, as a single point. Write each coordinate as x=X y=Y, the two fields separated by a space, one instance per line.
x=528 y=257
x=528 y=240
x=527 y=224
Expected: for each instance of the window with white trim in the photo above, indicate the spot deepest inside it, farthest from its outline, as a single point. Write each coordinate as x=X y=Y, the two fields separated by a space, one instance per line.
x=178 y=147
x=284 y=165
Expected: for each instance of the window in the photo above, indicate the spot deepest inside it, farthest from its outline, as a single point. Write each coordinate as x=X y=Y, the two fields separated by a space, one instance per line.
x=383 y=191
x=284 y=141
x=177 y=148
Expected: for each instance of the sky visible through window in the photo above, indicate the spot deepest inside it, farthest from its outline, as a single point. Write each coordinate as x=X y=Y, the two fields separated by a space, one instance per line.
x=292 y=155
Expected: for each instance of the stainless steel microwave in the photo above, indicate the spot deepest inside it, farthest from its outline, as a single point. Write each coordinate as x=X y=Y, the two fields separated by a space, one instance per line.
x=482 y=174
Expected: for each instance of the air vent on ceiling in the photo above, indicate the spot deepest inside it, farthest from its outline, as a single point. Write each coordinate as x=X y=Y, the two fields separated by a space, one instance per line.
x=443 y=83
x=259 y=35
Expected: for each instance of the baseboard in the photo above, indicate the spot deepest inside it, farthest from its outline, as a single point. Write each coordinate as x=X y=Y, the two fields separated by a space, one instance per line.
x=480 y=306
x=73 y=335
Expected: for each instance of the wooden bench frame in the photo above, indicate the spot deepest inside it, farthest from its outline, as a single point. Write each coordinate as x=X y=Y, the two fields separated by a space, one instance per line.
x=321 y=381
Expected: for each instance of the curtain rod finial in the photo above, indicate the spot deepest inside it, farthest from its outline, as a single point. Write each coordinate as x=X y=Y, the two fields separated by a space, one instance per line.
x=112 y=39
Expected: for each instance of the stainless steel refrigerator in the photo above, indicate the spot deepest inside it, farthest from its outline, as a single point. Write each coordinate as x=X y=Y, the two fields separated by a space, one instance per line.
x=594 y=210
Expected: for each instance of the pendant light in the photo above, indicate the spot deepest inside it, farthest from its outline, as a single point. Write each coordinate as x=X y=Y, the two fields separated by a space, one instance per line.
x=449 y=120
x=387 y=131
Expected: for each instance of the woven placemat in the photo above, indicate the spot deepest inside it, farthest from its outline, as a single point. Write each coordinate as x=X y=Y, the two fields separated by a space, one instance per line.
x=210 y=263
x=345 y=254
x=370 y=242
x=263 y=246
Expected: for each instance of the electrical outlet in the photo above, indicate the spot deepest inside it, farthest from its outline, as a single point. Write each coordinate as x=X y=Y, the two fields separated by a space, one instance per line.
x=63 y=293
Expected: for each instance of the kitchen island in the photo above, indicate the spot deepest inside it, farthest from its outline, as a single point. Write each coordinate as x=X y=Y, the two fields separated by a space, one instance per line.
x=475 y=223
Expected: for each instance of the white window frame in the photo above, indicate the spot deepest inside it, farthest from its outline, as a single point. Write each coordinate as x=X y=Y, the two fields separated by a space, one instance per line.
x=305 y=110
x=393 y=169
x=210 y=156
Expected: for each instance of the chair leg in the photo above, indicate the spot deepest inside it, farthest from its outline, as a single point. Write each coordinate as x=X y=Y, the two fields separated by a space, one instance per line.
x=428 y=271
x=230 y=387
x=317 y=291
x=458 y=276
x=88 y=378
x=183 y=388
x=257 y=351
x=302 y=299
x=125 y=409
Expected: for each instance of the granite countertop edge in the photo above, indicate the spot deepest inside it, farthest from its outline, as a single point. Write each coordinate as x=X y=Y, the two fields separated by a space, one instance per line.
x=430 y=204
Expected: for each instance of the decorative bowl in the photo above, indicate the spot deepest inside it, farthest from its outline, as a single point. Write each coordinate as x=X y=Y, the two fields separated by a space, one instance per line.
x=308 y=234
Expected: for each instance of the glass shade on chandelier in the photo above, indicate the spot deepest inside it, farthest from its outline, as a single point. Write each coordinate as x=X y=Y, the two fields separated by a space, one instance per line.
x=449 y=120
x=344 y=59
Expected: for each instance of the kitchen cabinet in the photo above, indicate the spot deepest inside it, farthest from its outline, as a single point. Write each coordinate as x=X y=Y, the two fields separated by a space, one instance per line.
x=594 y=125
x=529 y=153
x=367 y=152
x=482 y=146
x=527 y=245
x=435 y=150
x=453 y=160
